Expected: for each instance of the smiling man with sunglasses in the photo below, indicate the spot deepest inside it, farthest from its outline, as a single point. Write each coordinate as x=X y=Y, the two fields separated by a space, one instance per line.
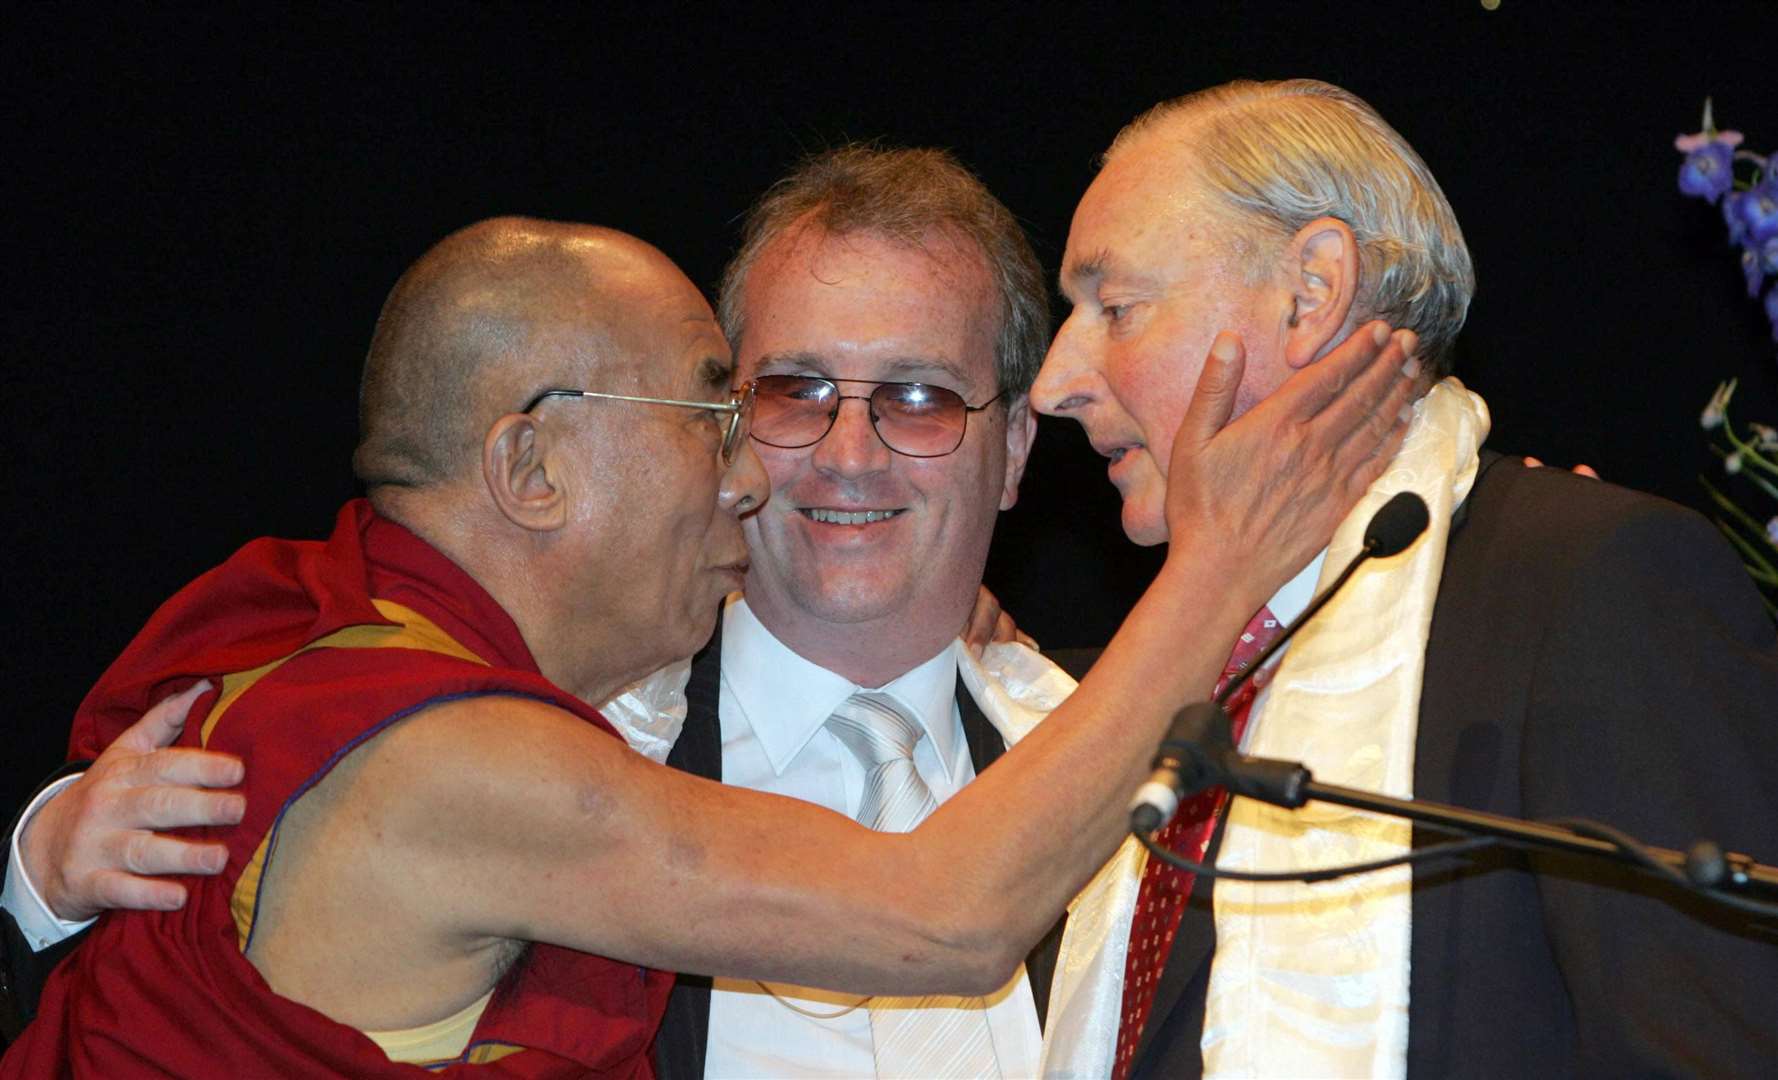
x=890 y=314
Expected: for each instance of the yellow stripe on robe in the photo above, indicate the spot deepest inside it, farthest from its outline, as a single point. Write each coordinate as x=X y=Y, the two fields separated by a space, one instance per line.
x=412 y=631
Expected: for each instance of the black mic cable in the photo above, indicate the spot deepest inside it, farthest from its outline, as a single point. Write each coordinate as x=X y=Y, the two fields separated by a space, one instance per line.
x=1199 y=743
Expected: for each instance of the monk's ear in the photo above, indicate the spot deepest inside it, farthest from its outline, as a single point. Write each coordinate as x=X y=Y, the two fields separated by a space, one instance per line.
x=1321 y=264
x=515 y=470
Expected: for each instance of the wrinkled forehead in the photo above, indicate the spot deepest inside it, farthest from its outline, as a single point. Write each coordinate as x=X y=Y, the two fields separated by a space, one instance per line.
x=1145 y=213
x=658 y=333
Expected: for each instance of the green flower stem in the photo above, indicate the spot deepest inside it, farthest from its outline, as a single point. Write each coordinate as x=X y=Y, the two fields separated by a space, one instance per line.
x=1760 y=565
x=1749 y=452
x=1768 y=580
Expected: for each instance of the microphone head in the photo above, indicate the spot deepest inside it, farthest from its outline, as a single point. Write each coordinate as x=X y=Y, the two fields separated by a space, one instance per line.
x=1396 y=525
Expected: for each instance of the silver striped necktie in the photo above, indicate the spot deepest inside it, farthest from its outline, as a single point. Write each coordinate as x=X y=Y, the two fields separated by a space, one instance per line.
x=935 y=1035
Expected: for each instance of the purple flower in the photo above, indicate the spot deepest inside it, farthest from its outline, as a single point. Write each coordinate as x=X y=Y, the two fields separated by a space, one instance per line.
x=1708 y=171
x=1731 y=216
x=1759 y=212
x=1768 y=254
x=1772 y=531
x=1750 y=269
x=1685 y=144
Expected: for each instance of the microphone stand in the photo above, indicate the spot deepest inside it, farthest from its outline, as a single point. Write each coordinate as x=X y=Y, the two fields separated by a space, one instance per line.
x=1289 y=784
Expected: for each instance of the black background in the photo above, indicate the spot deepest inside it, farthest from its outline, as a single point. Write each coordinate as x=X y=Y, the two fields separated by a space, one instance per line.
x=204 y=211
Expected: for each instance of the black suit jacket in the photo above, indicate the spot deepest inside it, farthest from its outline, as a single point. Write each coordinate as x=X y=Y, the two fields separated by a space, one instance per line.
x=1593 y=653
x=685 y=1030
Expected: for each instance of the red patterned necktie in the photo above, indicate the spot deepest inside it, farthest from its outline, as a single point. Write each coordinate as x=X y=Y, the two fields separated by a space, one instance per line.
x=1161 y=900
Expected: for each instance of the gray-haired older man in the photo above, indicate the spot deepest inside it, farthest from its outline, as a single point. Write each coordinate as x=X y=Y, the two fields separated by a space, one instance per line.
x=1552 y=647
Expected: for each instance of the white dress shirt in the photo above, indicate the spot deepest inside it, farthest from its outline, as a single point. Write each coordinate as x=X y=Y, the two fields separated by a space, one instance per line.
x=39 y=925
x=774 y=707
x=1288 y=605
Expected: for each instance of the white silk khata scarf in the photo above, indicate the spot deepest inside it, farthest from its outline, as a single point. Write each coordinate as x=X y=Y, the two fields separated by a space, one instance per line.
x=1308 y=980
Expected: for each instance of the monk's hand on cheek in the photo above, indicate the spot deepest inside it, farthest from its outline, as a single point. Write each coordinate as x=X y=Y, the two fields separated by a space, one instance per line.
x=1261 y=494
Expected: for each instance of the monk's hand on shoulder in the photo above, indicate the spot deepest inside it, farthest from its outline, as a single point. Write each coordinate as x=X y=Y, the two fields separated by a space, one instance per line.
x=989 y=625
x=93 y=846
x=1264 y=491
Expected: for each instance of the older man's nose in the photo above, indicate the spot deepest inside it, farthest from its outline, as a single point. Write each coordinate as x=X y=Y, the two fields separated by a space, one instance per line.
x=1067 y=379
x=745 y=485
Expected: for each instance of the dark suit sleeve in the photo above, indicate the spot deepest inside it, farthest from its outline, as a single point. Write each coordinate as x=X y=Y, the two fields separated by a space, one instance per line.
x=1653 y=706
x=23 y=971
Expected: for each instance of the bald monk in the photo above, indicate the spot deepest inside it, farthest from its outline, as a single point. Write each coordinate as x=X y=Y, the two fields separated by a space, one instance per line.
x=448 y=858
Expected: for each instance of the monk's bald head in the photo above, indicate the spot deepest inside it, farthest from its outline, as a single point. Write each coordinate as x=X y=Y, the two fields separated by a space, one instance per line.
x=481 y=316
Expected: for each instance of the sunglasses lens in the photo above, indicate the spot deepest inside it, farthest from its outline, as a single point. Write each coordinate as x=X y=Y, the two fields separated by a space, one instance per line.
x=792 y=410
x=917 y=419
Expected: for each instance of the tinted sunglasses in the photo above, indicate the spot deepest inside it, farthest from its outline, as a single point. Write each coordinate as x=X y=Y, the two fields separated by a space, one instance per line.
x=916 y=419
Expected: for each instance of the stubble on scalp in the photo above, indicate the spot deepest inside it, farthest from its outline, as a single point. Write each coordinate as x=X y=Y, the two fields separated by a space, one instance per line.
x=479 y=315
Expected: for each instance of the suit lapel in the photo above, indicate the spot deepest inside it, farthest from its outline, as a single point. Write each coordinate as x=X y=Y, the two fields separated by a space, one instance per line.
x=985 y=743
x=985 y=747
x=698 y=749
x=684 y=1035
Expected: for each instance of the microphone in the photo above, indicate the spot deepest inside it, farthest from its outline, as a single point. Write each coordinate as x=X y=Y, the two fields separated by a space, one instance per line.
x=1395 y=525
x=1199 y=750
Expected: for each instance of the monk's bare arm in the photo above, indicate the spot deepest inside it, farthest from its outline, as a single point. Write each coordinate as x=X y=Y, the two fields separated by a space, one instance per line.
x=515 y=820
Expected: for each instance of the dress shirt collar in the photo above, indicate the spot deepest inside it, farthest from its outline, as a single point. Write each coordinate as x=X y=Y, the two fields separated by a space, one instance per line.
x=786 y=698
x=1293 y=599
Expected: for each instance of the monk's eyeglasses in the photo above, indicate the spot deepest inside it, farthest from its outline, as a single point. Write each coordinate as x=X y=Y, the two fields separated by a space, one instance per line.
x=739 y=408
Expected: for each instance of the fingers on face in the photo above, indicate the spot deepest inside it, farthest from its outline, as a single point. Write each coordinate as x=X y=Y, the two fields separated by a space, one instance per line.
x=1372 y=415
x=1213 y=400
x=1322 y=384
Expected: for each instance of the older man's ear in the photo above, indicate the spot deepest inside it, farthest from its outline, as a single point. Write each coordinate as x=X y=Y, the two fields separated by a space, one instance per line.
x=1320 y=268
x=517 y=476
